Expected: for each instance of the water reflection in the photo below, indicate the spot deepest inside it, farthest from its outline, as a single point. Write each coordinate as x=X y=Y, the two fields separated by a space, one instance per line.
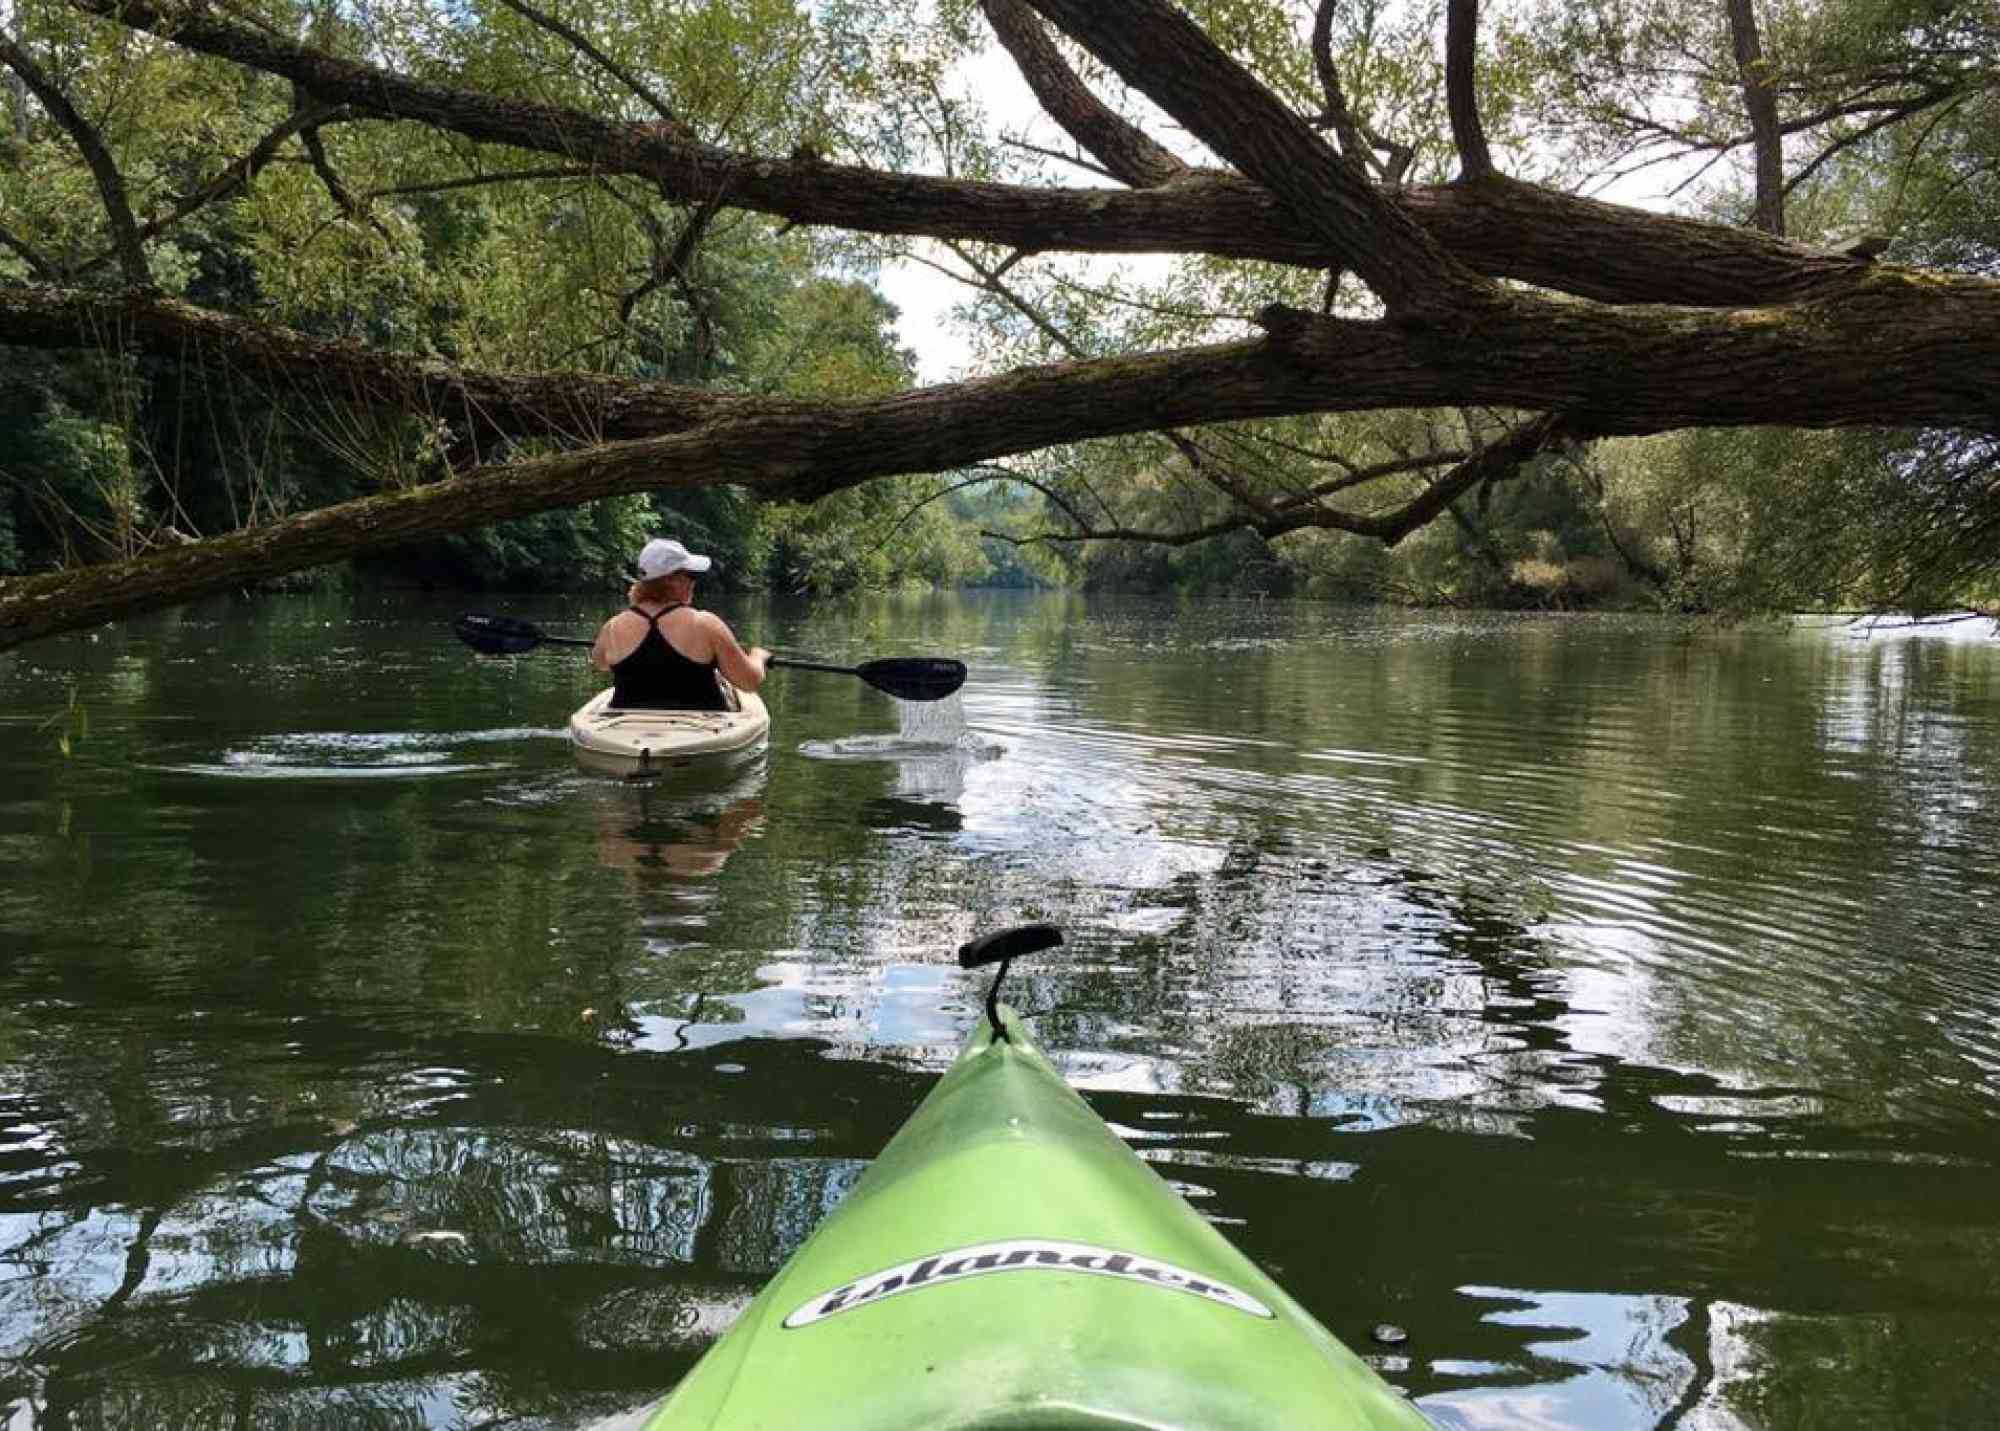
x=1584 y=1359
x=1614 y=1006
x=371 y=1262
x=664 y=836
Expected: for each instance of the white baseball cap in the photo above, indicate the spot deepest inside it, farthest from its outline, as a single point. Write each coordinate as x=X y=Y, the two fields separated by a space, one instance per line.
x=662 y=557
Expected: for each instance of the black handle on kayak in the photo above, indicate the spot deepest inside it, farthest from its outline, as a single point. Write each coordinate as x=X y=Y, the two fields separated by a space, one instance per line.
x=1003 y=947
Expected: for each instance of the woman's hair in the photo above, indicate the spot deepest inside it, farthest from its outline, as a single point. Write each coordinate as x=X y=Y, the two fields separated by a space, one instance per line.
x=658 y=588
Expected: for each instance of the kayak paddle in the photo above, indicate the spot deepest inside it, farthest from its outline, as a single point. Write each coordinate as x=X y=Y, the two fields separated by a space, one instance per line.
x=507 y=635
x=907 y=678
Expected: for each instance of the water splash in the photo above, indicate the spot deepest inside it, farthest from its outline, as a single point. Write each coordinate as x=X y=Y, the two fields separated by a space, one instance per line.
x=932 y=751
x=931 y=722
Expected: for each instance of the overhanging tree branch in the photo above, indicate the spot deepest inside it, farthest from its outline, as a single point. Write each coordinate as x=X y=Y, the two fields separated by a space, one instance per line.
x=1595 y=250
x=1591 y=370
x=1159 y=52
x=234 y=178
x=103 y=168
x=1124 y=149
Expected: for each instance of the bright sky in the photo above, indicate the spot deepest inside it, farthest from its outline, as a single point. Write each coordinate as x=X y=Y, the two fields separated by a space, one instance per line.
x=923 y=300
x=923 y=296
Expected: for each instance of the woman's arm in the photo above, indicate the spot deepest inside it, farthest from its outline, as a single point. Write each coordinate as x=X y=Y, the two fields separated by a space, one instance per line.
x=600 y=649
x=742 y=669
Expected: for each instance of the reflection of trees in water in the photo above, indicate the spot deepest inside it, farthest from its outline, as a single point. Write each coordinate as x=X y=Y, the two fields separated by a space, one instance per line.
x=541 y=1195
x=766 y=1209
x=566 y=1217
x=1416 y=1103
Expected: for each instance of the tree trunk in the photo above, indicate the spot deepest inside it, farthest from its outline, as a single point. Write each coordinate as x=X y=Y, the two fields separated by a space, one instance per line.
x=17 y=88
x=1760 y=102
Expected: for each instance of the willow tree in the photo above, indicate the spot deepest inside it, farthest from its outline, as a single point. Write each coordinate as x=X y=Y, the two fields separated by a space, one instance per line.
x=1874 y=120
x=1258 y=135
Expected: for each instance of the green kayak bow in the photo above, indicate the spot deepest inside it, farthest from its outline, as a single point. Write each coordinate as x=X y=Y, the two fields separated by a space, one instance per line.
x=1008 y=1262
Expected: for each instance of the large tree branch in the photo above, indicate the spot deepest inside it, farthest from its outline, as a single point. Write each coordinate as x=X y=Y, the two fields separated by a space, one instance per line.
x=103 y=168
x=1160 y=52
x=234 y=178
x=1905 y=349
x=1633 y=370
x=1504 y=230
x=1123 y=148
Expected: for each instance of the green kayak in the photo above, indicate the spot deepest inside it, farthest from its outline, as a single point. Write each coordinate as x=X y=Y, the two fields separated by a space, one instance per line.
x=1008 y=1262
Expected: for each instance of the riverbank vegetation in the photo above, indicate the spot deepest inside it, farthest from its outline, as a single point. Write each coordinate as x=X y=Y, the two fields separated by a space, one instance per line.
x=479 y=297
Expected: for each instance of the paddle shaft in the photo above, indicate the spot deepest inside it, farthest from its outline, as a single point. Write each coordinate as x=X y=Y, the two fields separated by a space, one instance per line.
x=909 y=678
x=775 y=661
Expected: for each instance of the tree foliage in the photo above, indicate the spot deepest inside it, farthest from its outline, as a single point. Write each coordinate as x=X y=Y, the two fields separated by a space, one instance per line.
x=509 y=259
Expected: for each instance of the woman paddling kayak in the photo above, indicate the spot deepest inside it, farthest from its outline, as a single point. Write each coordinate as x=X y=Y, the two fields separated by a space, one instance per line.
x=661 y=652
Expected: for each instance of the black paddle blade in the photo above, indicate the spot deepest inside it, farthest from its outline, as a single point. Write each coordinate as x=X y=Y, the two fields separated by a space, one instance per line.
x=496 y=635
x=914 y=678
x=1008 y=944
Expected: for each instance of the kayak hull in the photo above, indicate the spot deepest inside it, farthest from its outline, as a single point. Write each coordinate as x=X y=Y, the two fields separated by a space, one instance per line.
x=1008 y=1262
x=629 y=743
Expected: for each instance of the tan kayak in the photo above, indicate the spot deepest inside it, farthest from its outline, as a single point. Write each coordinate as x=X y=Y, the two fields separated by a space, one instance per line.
x=635 y=743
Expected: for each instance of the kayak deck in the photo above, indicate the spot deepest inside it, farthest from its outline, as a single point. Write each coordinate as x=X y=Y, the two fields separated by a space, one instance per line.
x=1008 y=1262
x=636 y=742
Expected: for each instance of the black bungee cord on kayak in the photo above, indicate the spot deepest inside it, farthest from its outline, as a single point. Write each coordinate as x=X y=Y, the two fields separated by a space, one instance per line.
x=1003 y=947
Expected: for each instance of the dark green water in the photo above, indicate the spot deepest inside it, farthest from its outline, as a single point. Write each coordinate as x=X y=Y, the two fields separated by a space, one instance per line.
x=1616 y=1008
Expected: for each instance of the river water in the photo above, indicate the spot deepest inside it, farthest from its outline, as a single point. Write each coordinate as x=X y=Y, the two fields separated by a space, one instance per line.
x=1613 y=1004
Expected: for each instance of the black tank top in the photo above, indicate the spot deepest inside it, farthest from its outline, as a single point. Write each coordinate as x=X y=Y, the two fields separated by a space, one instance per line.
x=657 y=677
